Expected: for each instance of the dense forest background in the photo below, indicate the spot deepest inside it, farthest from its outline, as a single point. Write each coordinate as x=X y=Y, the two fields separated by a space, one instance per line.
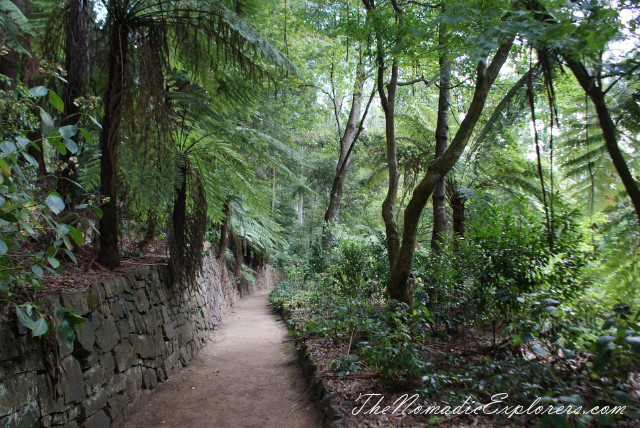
x=418 y=170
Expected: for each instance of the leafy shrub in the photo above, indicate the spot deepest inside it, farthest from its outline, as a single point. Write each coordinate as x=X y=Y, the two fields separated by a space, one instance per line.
x=503 y=257
x=32 y=238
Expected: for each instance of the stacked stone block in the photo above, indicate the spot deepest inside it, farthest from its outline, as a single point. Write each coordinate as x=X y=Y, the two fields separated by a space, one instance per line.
x=138 y=332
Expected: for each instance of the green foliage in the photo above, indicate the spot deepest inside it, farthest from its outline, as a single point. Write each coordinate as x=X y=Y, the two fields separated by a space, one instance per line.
x=29 y=214
x=13 y=24
x=503 y=258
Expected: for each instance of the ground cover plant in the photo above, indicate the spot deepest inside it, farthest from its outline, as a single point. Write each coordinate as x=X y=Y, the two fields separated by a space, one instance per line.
x=485 y=322
x=450 y=188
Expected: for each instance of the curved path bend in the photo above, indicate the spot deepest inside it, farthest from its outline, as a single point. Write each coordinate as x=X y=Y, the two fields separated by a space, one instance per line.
x=247 y=376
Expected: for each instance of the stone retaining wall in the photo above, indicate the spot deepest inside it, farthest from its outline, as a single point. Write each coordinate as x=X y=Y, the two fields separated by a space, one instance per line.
x=138 y=332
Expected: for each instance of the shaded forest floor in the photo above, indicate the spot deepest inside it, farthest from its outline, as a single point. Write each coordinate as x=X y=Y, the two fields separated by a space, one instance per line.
x=248 y=376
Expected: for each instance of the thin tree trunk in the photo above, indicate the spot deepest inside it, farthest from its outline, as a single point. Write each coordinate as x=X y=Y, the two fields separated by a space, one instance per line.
x=457 y=206
x=178 y=222
x=399 y=287
x=347 y=140
x=389 y=203
x=442 y=138
x=110 y=142
x=299 y=208
x=237 y=268
x=387 y=100
x=224 y=231
x=538 y=159
x=76 y=52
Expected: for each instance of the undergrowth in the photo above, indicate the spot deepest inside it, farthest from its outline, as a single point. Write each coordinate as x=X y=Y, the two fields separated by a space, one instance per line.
x=496 y=312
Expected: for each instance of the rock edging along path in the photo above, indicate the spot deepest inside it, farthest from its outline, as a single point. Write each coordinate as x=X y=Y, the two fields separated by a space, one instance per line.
x=248 y=376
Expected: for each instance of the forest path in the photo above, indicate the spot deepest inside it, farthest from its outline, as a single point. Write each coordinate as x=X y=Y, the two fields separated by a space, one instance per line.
x=248 y=376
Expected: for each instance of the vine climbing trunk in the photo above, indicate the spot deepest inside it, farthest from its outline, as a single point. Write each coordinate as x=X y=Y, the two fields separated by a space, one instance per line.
x=442 y=138
x=399 y=286
x=110 y=142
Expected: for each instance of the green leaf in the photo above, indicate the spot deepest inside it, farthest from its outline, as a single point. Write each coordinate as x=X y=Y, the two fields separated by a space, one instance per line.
x=71 y=317
x=559 y=419
x=602 y=359
x=56 y=101
x=60 y=146
x=30 y=159
x=634 y=342
x=40 y=327
x=7 y=147
x=67 y=242
x=87 y=135
x=37 y=270
x=53 y=262
x=608 y=323
x=93 y=119
x=66 y=333
x=98 y=211
x=22 y=142
x=539 y=350
x=605 y=420
x=68 y=131
x=4 y=166
x=76 y=235
x=38 y=91
x=526 y=337
x=71 y=255
x=603 y=341
x=71 y=145
x=55 y=203
x=621 y=396
x=36 y=147
x=3 y=247
x=24 y=318
x=46 y=119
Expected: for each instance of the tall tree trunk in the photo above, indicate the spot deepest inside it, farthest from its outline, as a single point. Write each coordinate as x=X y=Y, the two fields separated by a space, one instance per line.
x=594 y=90
x=299 y=209
x=179 y=223
x=110 y=142
x=399 y=287
x=387 y=100
x=224 y=231
x=442 y=138
x=457 y=206
x=77 y=59
x=347 y=141
x=389 y=203
x=238 y=259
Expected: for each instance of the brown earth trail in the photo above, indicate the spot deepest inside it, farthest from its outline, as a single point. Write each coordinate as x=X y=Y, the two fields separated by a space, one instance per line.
x=248 y=376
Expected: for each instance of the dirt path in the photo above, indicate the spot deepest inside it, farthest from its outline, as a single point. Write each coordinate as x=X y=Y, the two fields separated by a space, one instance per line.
x=248 y=376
